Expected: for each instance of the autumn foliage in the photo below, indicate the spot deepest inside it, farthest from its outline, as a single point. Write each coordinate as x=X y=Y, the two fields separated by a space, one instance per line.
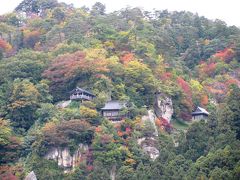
x=207 y=69
x=73 y=130
x=127 y=57
x=163 y=124
x=10 y=172
x=226 y=54
x=185 y=86
x=31 y=38
x=65 y=67
x=5 y=46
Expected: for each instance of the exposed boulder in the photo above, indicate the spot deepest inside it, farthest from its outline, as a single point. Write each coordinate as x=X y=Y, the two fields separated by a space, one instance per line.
x=64 y=157
x=149 y=147
x=163 y=107
x=148 y=143
x=31 y=176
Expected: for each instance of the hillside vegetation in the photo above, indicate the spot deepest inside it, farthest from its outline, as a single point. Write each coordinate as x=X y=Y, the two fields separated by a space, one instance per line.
x=49 y=48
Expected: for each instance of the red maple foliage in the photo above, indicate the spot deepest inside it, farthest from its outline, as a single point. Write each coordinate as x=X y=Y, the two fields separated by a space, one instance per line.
x=163 y=124
x=127 y=57
x=232 y=81
x=90 y=168
x=226 y=54
x=184 y=85
x=207 y=69
x=4 y=45
x=68 y=66
x=187 y=101
x=165 y=76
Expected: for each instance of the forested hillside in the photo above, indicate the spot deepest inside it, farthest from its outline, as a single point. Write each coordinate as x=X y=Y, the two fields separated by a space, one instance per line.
x=48 y=48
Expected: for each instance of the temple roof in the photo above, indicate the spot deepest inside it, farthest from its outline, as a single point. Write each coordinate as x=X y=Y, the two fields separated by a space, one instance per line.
x=114 y=105
x=78 y=89
x=199 y=111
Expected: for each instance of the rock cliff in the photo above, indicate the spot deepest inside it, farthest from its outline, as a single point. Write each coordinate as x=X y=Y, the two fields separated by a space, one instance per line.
x=65 y=159
x=163 y=109
x=163 y=106
x=148 y=144
x=31 y=176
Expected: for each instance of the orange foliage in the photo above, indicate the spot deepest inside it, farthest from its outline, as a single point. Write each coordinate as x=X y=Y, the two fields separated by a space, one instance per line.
x=232 y=81
x=163 y=124
x=184 y=85
x=120 y=133
x=225 y=55
x=218 y=89
x=67 y=66
x=127 y=57
x=4 y=45
x=204 y=100
x=98 y=129
x=207 y=69
x=158 y=123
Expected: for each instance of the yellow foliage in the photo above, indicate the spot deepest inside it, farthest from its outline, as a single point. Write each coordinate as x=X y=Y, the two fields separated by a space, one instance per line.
x=130 y=162
x=195 y=85
x=206 y=42
x=97 y=53
x=24 y=94
x=87 y=112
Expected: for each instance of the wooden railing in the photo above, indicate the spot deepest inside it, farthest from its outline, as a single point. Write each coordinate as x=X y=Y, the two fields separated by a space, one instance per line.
x=74 y=97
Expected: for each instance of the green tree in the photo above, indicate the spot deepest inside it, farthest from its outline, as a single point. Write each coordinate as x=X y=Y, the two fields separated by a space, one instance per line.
x=23 y=103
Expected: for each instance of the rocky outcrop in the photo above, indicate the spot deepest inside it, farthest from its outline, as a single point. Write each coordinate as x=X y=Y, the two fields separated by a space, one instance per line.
x=148 y=144
x=151 y=117
x=149 y=147
x=113 y=172
x=64 y=104
x=65 y=159
x=31 y=176
x=163 y=107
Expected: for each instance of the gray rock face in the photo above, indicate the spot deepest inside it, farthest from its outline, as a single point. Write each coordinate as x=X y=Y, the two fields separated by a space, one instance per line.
x=31 y=176
x=163 y=106
x=64 y=157
x=148 y=143
x=151 y=117
x=148 y=146
x=113 y=172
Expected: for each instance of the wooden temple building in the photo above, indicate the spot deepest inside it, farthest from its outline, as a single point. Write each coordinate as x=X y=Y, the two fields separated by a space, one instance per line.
x=199 y=113
x=113 y=110
x=81 y=94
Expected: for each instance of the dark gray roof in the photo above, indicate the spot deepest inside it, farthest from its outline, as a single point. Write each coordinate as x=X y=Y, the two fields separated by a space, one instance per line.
x=78 y=89
x=200 y=110
x=114 y=105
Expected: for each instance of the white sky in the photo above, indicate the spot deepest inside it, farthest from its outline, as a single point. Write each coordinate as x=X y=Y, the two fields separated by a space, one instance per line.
x=226 y=10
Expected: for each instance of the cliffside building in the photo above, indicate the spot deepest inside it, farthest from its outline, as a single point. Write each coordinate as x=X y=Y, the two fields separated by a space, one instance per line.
x=81 y=94
x=113 y=110
x=199 y=113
